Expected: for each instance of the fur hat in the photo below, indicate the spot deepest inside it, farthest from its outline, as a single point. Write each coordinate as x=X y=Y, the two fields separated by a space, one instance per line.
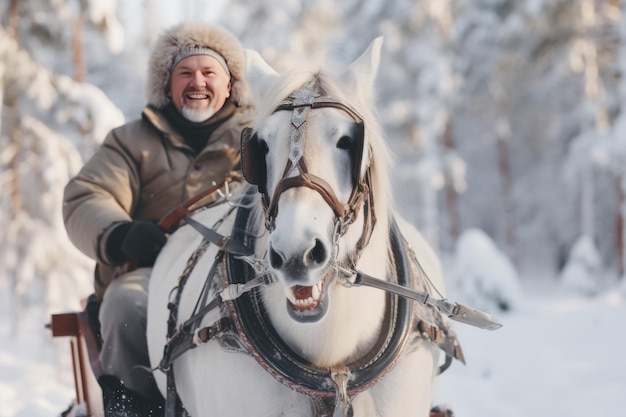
x=189 y=36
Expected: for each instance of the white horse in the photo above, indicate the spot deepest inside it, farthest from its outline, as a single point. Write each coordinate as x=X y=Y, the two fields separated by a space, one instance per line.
x=335 y=347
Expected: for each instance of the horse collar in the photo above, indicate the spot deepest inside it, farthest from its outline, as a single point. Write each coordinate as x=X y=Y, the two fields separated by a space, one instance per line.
x=325 y=387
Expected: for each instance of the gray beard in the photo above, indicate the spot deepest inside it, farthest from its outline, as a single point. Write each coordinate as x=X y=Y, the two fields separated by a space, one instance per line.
x=197 y=115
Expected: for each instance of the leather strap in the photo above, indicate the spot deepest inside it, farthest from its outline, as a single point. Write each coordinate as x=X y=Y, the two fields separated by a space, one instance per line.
x=168 y=222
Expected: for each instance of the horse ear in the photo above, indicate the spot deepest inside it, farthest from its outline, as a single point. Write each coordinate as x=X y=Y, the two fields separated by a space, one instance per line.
x=260 y=75
x=362 y=72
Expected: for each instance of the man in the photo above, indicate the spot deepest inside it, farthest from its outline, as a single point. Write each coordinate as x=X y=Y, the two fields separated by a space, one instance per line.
x=187 y=137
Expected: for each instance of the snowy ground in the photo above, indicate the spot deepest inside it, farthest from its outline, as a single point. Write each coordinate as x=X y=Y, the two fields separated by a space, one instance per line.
x=562 y=355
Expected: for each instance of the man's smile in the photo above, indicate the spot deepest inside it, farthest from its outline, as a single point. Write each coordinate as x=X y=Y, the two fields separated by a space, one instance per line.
x=197 y=95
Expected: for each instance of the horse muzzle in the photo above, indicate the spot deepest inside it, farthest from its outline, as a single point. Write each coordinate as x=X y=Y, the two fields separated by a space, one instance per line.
x=303 y=268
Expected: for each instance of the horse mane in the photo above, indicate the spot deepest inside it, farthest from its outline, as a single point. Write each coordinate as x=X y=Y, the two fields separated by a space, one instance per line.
x=332 y=80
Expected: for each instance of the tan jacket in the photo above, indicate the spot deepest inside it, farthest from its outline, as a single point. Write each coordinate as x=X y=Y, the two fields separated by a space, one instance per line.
x=142 y=170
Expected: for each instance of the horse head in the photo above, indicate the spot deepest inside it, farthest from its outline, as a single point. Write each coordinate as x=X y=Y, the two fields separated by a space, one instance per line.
x=316 y=154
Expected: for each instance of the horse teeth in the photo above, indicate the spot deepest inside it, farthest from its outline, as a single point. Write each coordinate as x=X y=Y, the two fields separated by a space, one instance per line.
x=317 y=290
x=308 y=302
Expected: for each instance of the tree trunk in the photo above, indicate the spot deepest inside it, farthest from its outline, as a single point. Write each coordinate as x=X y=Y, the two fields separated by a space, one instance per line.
x=619 y=225
x=77 y=49
x=594 y=93
x=10 y=103
x=504 y=166
x=12 y=18
x=452 y=201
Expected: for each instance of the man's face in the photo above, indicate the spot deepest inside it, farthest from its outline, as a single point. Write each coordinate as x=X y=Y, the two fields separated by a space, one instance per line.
x=199 y=86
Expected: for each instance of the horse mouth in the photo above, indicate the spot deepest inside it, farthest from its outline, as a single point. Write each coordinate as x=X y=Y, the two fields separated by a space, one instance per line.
x=307 y=303
x=305 y=298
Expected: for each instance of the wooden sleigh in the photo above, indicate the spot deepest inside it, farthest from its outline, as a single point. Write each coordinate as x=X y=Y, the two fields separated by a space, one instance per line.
x=85 y=363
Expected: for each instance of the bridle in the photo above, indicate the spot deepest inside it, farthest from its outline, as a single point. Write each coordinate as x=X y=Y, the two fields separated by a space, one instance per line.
x=296 y=173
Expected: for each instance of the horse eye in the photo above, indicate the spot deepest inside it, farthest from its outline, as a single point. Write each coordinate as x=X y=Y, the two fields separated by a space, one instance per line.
x=345 y=143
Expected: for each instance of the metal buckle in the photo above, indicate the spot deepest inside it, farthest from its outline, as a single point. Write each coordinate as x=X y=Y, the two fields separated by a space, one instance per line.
x=343 y=404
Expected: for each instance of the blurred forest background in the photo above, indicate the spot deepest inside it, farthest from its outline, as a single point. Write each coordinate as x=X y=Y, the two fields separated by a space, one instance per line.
x=505 y=117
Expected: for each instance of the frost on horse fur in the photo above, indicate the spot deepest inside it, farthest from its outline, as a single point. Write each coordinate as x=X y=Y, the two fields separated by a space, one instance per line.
x=316 y=148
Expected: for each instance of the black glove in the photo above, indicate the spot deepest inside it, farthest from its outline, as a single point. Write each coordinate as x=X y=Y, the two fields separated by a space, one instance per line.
x=139 y=241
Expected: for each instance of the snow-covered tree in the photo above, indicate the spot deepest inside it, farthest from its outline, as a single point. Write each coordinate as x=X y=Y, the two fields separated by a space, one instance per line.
x=50 y=122
x=584 y=164
x=612 y=149
x=483 y=276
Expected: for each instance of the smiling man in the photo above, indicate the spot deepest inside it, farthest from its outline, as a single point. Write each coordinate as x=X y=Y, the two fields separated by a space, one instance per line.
x=187 y=137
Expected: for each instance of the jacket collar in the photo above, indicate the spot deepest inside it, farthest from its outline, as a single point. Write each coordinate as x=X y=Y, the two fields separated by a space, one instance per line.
x=153 y=115
x=183 y=132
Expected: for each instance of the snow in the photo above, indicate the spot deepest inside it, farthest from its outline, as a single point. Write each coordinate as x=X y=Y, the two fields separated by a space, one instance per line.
x=584 y=266
x=558 y=355
x=482 y=276
x=35 y=372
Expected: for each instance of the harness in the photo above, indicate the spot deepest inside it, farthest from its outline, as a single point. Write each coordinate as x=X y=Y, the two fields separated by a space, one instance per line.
x=245 y=327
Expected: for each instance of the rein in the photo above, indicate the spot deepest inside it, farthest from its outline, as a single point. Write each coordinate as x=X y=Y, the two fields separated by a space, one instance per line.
x=168 y=222
x=171 y=220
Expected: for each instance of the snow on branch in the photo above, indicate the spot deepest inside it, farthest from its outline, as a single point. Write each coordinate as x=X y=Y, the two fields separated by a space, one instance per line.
x=51 y=124
x=69 y=103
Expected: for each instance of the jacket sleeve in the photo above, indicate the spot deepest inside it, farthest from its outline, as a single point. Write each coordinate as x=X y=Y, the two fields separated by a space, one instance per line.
x=103 y=194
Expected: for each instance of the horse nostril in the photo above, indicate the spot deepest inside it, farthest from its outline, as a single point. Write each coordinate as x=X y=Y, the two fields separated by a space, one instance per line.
x=276 y=260
x=317 y=254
